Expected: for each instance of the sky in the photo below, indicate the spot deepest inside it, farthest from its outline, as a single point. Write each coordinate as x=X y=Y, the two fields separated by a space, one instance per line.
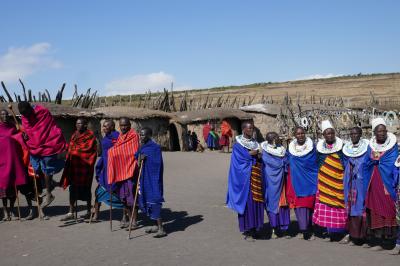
x=128 y=47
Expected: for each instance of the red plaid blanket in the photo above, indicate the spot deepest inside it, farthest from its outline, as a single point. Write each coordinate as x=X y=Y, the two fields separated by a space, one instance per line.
x=81 y=157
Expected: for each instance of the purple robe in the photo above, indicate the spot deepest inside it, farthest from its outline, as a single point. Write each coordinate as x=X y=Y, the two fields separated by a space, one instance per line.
x=354 y=194
x=101 y=166
x=239 y=197
x=274 y=172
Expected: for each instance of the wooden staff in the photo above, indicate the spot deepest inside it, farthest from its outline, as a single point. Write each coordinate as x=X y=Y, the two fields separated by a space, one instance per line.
x=135 y=200
x=15 y=186
x=111 y=207
x=14 y=116
x=18 y=206
x=37 y=197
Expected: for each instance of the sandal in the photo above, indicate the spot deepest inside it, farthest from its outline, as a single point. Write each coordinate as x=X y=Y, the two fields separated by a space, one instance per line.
x=134 y=226
x=161 y=233
x=151 y=230
x=69 y=217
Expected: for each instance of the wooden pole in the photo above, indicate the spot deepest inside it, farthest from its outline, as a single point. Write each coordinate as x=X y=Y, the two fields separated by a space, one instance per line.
x=18 y=206
x=135 y=200
x=14 y=116
x=37 y=197
x=111 y=207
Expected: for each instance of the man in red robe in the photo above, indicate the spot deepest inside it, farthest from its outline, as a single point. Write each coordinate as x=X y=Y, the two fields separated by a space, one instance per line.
x=12 y=170
x=122 y=168
x=79 y=167
x=45 y=142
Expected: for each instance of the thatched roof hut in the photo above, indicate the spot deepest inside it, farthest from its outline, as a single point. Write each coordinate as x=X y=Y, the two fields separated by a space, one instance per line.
x=158 y=121
x=57 y=110
x=132 y=113
x=64 y=115
x=220 y=114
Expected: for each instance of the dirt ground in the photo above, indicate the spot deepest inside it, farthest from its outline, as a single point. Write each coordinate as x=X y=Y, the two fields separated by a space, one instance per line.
x=201 y=231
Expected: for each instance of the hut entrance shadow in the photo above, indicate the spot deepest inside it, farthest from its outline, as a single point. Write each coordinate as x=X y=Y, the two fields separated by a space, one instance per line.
x=173 y=138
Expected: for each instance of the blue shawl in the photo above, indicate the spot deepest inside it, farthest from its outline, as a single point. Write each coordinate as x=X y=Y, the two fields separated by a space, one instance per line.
x=386 y=168
x=274 y=172
x=151 y=181
x=239 y=178
x=101 y=166
x=304 y=173
x=354 y=179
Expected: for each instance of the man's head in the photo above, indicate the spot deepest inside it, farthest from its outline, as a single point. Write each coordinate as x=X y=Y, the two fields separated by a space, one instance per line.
x=124 y=125
x=145 y=134
x=25 y=108
x=380 y=133
x=108 y=126
x=81 y=125
x=4 y=116
x=355 y=135
x=247 y=129
x=300 y=135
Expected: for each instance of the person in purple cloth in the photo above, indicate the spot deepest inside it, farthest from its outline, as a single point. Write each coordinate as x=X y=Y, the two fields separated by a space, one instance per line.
x=103 y=188
x=151 y=191
x=274 y=171
x=396 y=250
x=354 y=152
x=380 y=187
x=245 y=183
x=301 y=181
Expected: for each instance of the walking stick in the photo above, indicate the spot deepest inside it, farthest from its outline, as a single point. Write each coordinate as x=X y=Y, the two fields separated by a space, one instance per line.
x=18 y=206
x=135 y=200
x=37 y=197
x=111 y=207
x=14 y=116
x=15 y=186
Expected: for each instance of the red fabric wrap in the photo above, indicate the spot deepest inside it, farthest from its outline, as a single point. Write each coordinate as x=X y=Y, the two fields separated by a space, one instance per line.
x=12 y=170
x=81 y=157
x=226 y=129
x=293 y=200
x=45 y=137
x=121 y=157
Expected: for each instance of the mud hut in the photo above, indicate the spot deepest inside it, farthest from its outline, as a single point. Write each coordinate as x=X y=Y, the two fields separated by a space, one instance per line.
x=158 y=121
x=265 y=118
x=194 y=121
x=65 y=117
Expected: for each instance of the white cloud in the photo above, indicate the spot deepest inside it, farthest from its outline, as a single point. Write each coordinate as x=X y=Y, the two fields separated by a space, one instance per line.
x=320 y=76
x=20 y=62
x=139 y=84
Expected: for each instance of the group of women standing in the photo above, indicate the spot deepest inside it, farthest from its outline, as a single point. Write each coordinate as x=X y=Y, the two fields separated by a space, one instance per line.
x=346 y=192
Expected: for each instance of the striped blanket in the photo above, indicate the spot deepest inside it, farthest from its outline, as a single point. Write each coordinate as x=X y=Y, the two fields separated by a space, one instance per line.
x=121 y=157
x=81 y=157
x=330 y=185
x=256 y=183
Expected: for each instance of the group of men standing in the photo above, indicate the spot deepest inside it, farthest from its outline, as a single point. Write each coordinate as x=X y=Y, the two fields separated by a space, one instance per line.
x=130 y=168
x=346 y=192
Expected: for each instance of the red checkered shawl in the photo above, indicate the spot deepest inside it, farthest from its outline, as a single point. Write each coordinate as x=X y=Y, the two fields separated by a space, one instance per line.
x=81 y=157
x=121 y=157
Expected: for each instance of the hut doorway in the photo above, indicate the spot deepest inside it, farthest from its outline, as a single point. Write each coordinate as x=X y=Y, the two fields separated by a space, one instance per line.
x=173 y=138
x=236 y=125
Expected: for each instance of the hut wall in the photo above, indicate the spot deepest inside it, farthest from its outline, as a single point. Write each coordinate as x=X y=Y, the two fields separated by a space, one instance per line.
x=265 y=123
x=67 y=126
x=158 y=125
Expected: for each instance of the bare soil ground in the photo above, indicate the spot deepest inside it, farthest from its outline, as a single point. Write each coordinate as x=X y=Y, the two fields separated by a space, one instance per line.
x=201 y=231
